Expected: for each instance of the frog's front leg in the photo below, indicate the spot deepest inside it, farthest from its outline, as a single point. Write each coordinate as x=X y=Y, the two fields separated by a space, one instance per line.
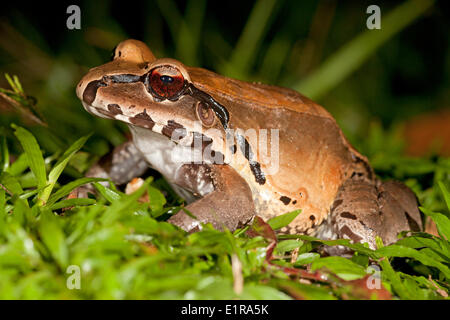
x=364 y=209
x=228 y=204
x=121 y=165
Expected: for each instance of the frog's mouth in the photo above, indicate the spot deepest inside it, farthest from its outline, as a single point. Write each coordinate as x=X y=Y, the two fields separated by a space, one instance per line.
x=114 y=112
x=174 y=131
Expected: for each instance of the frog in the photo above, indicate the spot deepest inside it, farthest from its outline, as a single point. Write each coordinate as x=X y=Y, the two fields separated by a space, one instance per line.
x=206 y=133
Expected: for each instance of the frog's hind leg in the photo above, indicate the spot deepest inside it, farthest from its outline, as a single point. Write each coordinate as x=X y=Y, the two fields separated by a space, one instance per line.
x=364 y=209
x=398 y=206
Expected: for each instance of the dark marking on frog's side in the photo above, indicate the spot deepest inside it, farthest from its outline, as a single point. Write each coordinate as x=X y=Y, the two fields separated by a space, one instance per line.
x=132 y=107
x=294 y=202
x=255 y=167
x=349 y=233
x=90 y=92
x=114 y=109
x=171 y=127
x=285 y=200
x=348 y=215
x=143 y=119
x=312 y=217
x=220 y=110
x=336 y=204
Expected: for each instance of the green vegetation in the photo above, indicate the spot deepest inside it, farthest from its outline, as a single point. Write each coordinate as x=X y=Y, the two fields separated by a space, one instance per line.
x=125 y=249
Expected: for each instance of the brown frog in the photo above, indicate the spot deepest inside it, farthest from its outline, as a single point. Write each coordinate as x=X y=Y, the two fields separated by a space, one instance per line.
x=235 y=149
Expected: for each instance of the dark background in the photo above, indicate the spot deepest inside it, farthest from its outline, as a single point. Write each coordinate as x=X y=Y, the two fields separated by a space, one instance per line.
x=407 y=76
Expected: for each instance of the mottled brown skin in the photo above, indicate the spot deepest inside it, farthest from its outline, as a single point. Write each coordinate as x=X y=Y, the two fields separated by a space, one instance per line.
x=317 y=165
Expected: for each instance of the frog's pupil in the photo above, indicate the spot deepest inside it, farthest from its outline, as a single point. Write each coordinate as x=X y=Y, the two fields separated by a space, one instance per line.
x=166 y=79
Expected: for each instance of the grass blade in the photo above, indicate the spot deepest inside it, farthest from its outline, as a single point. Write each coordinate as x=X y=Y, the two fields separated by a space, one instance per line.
x=283 y=220
x=66 y=189
x=250 y=39
x=189 y=33
x=109 y=194
x=59 y=167
x=445 y=193
x=400 y=251
x=442 y=223
x=342 y=63
x=53 y=237
x=34 y=154
x=4 y=154
x=71 y=203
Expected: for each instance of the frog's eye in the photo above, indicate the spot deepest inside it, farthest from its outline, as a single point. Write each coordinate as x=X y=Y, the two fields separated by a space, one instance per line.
x=205 y=114
x=166 y=82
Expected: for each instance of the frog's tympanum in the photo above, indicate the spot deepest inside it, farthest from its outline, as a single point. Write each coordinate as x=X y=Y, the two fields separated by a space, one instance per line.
x=235 y=149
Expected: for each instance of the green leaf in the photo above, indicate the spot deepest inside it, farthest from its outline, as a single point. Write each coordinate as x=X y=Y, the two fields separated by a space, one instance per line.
x=351 y=56
x=71 y=203
x=287 y=245
x=123 y=203
x=428 y=242
x=258 y=292
x=400 y=251
x=394 y=278
x=109 y=194
x=67 y=188
x=21 y=211
x=2 y=209
x=358 y=247
x=156 y=199
x=34 y=154
x=306 y=258
x=4 y=153
x=59 y=167
x=445 y=193
x=18 y=166
x=10 y=183
x=283 y=220
x=302 y=291
x=53 y=237
x=250 y=40
x=442 y=222
x=342 y=267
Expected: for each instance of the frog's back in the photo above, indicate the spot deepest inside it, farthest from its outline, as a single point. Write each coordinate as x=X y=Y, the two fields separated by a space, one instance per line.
x=256 y=94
